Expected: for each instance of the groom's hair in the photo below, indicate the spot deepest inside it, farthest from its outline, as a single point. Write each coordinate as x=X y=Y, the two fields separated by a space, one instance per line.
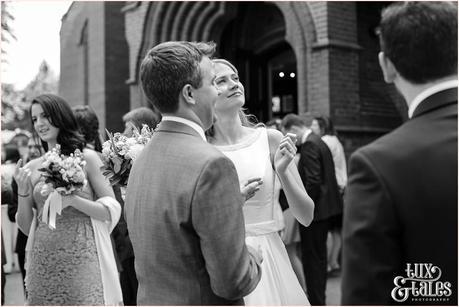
x=420 y=39
x=168 y=67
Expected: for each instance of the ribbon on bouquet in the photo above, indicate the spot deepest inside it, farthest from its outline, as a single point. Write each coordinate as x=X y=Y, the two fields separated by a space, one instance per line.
x=53 y=206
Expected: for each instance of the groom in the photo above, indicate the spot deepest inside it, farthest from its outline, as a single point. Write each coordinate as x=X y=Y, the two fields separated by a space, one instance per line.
x=183 y=202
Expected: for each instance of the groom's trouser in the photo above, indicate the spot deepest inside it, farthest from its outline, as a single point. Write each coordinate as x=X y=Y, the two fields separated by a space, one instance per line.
x=314 y=258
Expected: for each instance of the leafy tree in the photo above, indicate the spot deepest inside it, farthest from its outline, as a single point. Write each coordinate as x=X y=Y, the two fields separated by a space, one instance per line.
x=16 y=104
x=7 y=30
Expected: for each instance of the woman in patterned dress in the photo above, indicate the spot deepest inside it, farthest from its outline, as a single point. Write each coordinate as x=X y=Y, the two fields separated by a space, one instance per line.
x=72 y=264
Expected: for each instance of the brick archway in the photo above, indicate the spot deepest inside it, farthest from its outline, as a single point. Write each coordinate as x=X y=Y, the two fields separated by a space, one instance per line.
x=203 y=21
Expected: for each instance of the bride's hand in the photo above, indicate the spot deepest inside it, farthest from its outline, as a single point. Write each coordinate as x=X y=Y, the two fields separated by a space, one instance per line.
x=251 y=187
x=285 y=152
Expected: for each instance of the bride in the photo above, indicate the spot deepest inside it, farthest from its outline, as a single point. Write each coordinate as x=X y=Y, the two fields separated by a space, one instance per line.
x=260 y=154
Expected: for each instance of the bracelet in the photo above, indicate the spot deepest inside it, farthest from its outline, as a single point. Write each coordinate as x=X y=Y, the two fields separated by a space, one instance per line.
x=26 y=195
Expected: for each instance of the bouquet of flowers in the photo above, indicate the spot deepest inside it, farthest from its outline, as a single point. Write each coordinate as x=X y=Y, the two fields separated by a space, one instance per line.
x=120 y=152
x=65 y=174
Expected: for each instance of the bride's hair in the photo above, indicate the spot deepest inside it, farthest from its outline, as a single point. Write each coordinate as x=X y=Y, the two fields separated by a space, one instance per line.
x=60 y=115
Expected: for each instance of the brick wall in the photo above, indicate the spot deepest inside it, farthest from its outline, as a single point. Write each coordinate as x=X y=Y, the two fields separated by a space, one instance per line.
x=381 y=106
x=338 y=72
x=107 y=60
x=71 y=85
x=116 y=67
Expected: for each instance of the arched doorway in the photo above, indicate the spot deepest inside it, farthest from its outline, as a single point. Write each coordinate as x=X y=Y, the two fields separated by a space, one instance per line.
x=266 y=62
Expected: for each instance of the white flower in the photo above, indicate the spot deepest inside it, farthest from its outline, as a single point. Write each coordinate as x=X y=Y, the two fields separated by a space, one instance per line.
x=135 y=150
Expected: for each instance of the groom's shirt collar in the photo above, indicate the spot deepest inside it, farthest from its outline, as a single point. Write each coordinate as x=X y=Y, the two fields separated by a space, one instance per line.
x=429 y=92
x=186 y=122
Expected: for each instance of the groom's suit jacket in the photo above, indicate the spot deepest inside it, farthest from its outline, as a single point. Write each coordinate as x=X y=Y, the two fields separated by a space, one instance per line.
x=184 y=215
x=401 y=206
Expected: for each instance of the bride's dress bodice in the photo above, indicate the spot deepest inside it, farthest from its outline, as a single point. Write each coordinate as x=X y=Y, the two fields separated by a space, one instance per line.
x=252 y=160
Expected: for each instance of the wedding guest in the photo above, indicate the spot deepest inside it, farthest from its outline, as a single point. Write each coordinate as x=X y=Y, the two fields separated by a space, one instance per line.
x=10 y=156
x=139 y=117
x=34 y=151
x=290 y=233
x=124 y=254
x=183 y=200
x=318 y=176
x=323 y=127
x=20 y=139
x=263 y=153
x=72 y=264
x=89 y=126
x=401 y=199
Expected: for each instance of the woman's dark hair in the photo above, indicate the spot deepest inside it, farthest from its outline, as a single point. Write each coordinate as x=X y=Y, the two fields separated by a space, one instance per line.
x=325 y=125
x=89 y=125
x=142 y=115
x=60 y=115
x=11 y=153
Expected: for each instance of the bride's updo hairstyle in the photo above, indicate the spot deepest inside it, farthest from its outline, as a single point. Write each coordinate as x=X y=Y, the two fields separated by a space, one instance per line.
x=61 y=116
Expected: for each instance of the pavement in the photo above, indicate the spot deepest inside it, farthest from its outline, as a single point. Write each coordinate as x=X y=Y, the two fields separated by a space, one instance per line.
x=14 y=293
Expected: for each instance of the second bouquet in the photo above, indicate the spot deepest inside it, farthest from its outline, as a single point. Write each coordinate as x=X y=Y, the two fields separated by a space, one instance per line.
x=120 y=152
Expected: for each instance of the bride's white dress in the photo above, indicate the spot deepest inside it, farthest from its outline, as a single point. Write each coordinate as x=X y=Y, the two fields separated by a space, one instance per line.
x=279 y=284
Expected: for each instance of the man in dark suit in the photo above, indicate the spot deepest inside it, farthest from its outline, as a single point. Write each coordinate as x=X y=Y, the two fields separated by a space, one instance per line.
x=317 y=171
x=183 y=202
x=400 y=213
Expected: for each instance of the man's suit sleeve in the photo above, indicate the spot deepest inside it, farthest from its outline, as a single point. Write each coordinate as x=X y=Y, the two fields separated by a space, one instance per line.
x=371 y=234
x=218 y=220
x=309 y=169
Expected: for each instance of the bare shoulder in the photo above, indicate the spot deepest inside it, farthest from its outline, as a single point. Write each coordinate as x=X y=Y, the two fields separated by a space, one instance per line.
x=90 y=154
x=274 y=137
x=92 y=158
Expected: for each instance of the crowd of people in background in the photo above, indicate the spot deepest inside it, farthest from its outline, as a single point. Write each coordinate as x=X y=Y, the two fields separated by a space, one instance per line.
x=89 y=127
x=281 y=187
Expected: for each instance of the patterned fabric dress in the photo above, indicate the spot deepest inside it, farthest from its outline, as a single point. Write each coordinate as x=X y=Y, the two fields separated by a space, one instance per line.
x=279 y=284
x=64 y=268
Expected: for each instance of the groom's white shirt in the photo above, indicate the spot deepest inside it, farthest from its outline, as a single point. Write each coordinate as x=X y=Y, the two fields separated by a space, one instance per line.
x=429 y=92
x=188 y=123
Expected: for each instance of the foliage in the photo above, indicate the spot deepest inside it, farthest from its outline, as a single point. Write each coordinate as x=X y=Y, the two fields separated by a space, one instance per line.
x=16 y=103
x=7 y=30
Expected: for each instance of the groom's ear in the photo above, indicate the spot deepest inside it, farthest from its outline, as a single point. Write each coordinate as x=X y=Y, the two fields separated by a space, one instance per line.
x=188 y=94
x=387 y=67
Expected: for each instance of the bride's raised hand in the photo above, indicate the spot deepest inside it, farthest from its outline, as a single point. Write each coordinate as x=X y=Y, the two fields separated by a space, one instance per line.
x=22 y=177
x=285 y=152
x=249 y=189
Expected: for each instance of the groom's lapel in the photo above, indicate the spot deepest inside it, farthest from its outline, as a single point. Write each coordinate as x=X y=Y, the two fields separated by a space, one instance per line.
x=176 y=127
